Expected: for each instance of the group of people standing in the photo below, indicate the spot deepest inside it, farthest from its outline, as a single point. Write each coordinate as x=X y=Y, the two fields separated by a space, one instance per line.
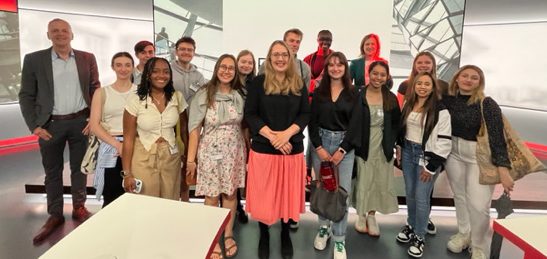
x=161 y=124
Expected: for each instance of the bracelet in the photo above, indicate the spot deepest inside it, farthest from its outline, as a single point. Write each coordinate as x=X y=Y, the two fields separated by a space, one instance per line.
x=190 y=162
x=341 y=150
x=317 y=148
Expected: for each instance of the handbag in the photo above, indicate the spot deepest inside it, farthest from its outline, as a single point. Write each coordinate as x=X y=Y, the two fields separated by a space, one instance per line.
x=328 y=176
x=331 y=205
x=522 y=160
x=89 y=162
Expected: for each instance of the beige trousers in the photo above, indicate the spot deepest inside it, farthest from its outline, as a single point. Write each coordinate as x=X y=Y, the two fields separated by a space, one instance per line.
x=158 y=169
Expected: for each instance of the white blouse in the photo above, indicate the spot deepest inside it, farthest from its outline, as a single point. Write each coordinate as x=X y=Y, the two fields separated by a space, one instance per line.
x=153 y=124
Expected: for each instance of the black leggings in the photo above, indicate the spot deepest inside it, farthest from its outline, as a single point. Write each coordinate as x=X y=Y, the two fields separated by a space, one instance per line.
x=112 y=183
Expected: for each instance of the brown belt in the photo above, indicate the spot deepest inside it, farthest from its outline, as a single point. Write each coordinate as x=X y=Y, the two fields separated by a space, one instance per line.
x=84 y=112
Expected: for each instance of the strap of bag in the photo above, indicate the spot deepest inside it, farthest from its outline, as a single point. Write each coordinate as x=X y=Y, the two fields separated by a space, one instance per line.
x=482 y=129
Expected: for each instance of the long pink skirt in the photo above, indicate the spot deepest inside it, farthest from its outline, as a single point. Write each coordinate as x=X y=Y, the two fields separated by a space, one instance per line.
x=275 y=187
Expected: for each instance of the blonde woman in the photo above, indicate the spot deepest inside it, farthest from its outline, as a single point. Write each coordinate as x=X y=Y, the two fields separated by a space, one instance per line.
x=471 y=199
x=277 y=111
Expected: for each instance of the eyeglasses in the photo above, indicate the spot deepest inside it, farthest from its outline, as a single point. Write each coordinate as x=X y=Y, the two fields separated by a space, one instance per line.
x=224 y=68
x=283 y=55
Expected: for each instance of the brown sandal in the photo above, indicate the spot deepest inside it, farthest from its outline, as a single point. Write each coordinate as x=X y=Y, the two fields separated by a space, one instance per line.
x=218 y=253
x=229 y=248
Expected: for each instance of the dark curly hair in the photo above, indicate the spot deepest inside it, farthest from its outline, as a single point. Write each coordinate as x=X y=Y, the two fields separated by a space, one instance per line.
x=145 y=85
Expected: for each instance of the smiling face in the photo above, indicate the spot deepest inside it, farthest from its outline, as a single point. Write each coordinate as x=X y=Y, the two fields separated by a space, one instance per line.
x=423 y=86
x=226 y=71
x=160 y=74
x=423 y=64
x=245 y=64
x=370 y=47
x=60 y=33
x=279 y=58
x=468 y=81
x=335 y=68
x=123 y=67
x=185 y=52
x=378 y=76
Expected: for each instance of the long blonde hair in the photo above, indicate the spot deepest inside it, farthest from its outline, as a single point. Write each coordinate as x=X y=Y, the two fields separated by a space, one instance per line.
x=478 y=93
x=292 y=82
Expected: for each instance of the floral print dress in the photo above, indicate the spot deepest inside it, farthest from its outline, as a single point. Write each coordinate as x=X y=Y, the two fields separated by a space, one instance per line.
x=221 y=151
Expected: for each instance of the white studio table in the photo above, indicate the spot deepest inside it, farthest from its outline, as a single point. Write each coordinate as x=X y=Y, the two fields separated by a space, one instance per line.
x=528 y=233
x=137 y=226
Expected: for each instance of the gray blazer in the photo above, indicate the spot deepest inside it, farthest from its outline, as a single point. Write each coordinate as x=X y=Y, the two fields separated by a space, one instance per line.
x=36 y=95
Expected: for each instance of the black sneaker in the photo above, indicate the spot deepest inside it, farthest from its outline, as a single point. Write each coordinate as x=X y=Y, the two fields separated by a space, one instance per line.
x=431 y=229
x=405 y=235
x=416 y=249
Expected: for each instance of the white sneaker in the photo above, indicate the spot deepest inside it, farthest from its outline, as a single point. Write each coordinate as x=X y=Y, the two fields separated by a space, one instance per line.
x=373 y=229
x=416 y=249
x=361 y=224
x=477 y=253
x=458 y=242
x=340 y=250
x=406 y=235
x=322 y=237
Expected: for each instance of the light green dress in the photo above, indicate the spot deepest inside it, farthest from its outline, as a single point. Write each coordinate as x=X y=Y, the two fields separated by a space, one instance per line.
x=374 y=187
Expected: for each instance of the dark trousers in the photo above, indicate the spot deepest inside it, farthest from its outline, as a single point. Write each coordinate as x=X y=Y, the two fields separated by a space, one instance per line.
x=52 y=151
x=112 y=183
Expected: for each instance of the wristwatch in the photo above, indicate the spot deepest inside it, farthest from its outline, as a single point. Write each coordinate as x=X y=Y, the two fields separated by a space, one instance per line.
x=125 y=174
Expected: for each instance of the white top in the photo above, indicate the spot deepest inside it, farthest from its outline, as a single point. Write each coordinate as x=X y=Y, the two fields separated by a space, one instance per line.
x=151 y=124
x=414 y=127
x=113 y=108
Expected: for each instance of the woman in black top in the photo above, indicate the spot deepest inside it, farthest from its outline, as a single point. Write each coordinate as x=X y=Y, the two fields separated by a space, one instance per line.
x=277 y=112
x=246 y=68
x=471 y=199
x=334 y=130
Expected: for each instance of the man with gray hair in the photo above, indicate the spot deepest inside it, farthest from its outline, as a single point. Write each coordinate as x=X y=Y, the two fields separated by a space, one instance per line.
x=57 y=84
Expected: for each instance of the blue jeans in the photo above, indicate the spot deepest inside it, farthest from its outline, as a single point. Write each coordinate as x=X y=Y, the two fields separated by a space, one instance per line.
x=331 y=141
x=417 y=192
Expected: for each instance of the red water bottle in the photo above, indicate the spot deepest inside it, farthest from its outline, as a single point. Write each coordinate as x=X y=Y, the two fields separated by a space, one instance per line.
x=328 y=176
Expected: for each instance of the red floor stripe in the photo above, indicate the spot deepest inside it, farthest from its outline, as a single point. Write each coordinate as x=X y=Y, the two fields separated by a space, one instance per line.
x=18 y=141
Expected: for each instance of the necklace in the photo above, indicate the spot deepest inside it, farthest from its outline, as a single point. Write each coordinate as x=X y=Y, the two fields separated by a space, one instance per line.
x=156 y=100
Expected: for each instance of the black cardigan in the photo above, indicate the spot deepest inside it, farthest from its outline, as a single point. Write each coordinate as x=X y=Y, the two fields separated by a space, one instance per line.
x=390 y=130
x=278 y=112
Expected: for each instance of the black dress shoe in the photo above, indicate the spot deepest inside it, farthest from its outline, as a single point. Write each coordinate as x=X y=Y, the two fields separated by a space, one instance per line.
x=52 y=223
x=264 y=246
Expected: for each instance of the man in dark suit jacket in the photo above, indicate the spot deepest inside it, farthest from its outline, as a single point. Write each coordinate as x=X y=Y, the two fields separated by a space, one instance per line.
x=56 y=89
